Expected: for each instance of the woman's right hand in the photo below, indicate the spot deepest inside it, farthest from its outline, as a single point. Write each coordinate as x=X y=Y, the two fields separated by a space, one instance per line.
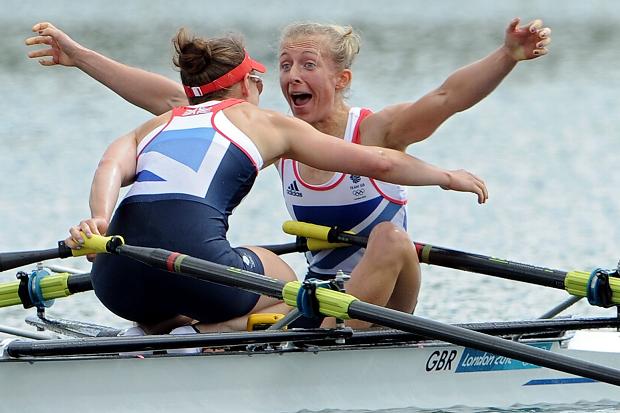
x=463 y=181
x=86 y=227
x=62 y=50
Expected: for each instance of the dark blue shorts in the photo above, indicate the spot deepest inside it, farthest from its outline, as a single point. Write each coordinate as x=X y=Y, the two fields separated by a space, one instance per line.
x=140 y=293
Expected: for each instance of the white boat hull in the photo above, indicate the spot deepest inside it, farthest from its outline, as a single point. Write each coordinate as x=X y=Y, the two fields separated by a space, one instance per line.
x=423 y=375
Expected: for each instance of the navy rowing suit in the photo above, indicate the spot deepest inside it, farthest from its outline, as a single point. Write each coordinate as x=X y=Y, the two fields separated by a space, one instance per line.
x=191 y=174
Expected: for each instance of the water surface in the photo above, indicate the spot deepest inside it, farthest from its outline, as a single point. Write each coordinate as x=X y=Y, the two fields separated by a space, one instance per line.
x=545 y=141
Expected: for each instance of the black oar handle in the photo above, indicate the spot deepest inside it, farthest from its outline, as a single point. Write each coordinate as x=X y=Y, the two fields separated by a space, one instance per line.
x=9 y=260
x=337 y=235
x=300 y=245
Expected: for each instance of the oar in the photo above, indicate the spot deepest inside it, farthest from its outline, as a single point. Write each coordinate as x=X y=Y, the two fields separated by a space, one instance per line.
x=345 y=306
x=37 y=290
x=577 y=283
x=9 y=260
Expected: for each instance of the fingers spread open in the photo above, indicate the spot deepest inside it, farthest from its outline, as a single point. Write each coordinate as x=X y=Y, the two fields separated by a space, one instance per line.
x=41 y=53
x=44 y=62
x=39 y=26
x=38 y=40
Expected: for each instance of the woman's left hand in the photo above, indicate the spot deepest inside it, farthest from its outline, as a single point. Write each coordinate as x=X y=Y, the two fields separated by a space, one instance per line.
x=527 y=42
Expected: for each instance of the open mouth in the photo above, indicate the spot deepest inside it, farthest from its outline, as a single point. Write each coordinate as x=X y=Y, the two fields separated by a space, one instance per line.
x=300 y=99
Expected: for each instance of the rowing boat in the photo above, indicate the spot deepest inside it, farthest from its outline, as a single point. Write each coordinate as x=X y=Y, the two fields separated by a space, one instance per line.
x=294 y=370
x=410 y=362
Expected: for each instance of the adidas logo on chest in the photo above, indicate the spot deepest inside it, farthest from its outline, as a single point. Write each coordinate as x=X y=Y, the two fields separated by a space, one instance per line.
x=293 y=190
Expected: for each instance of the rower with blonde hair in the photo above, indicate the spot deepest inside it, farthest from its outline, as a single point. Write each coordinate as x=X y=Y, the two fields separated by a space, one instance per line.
x=190 y=167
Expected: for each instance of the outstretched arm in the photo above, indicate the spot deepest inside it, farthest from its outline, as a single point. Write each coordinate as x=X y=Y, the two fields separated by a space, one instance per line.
x=298 y=140
x=150 y=91
x=400 y=125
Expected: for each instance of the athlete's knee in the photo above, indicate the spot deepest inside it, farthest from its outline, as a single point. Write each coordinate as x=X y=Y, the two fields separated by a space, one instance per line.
x=391 y=239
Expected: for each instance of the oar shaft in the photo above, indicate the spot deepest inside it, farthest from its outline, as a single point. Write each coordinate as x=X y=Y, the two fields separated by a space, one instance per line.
x=496 y=267
x=299 y=245
x=481 y=264
x=206 y=270
x=467 y=338
x=77 y=283
x=443 y=257
x=9 y=260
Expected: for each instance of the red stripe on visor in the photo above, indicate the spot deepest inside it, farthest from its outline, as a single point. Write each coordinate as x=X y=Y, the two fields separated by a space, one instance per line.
x=235 y=75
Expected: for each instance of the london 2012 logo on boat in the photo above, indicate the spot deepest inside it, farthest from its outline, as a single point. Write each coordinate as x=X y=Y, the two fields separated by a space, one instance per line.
x=475 y=360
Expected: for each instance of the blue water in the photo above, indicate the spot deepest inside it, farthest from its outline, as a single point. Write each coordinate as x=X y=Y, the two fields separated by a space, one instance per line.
x=545 y=141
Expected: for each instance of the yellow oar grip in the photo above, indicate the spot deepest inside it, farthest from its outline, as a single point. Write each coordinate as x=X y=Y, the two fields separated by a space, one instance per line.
x=331 y=303
x=304 y=229
x=316 y=235
x=83 y=251
x=318 y=244
x=96 y=244
x=576 y=283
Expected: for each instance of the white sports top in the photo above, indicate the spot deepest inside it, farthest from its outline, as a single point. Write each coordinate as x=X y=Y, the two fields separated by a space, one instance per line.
x=350 y=202
x=199 y=155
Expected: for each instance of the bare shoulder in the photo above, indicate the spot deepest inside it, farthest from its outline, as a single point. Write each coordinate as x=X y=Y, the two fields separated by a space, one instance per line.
x=247 y=113
x=266 y=128
x=375 y=128
x=244 y=113
x=148 y=126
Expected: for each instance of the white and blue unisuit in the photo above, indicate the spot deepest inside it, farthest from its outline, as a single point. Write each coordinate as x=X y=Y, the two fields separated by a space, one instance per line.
x=350 y=202
x=191 y=173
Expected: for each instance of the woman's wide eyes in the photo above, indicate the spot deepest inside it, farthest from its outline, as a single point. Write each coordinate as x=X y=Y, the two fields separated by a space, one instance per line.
x=307 y=65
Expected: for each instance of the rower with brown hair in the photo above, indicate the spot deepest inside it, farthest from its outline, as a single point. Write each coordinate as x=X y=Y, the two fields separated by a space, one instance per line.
x=190 y=167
